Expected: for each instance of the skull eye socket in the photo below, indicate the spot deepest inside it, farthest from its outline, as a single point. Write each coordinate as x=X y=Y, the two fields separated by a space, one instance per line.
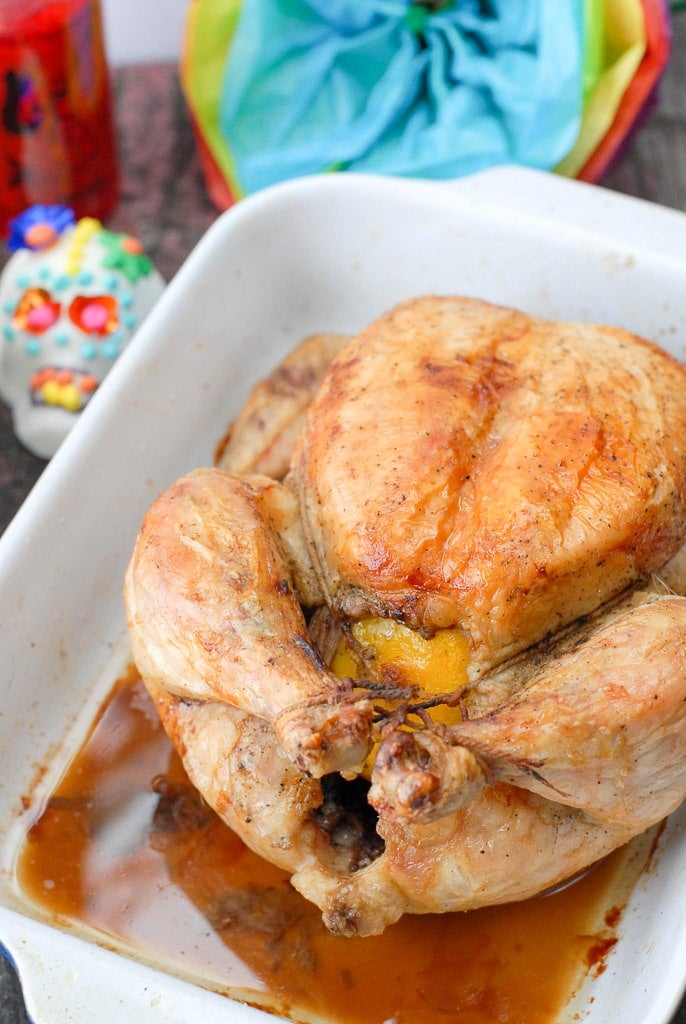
x=36 y=311
x=94 y=314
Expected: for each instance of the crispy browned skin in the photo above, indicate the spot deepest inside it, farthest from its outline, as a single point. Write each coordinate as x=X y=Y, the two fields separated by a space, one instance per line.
x=505 y=845
x=214 y=613
x=462 y=465
x=600 y=726
x=468 y=465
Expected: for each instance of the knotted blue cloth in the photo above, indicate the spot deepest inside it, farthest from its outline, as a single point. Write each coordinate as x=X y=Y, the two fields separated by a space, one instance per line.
x=422 y=89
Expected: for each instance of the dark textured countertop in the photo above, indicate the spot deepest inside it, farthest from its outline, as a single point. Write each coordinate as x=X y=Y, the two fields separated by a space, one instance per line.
x=164 y=203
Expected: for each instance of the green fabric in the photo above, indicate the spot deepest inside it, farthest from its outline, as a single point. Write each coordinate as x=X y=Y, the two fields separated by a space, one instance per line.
x=210 y=25
x=619 y=43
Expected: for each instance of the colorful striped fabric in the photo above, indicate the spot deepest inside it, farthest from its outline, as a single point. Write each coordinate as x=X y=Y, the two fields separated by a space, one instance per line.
x=421 y=88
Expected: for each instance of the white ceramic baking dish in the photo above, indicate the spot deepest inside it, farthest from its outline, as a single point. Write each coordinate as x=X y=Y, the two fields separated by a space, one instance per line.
x=328 y=253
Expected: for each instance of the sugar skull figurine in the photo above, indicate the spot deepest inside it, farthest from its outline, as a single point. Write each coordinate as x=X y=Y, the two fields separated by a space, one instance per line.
x=71 y=297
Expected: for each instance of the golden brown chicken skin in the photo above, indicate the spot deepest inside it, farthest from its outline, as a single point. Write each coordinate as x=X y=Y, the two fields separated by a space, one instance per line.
x=470 y=472
x=467 y=465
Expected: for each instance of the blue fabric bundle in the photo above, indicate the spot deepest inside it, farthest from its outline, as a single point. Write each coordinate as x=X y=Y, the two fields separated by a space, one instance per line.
x=422 y=89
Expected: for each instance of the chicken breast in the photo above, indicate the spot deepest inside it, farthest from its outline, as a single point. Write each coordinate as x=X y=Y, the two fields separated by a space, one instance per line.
x=517 y=473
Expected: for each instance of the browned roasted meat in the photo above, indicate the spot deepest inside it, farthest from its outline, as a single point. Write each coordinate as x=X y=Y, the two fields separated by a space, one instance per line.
x=442 y=662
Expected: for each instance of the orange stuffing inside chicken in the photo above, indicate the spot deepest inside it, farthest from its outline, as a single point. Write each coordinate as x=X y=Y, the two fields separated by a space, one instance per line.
x=392 y=651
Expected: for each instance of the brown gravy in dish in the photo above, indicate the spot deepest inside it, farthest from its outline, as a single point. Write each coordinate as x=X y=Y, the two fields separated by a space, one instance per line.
x=126 y=850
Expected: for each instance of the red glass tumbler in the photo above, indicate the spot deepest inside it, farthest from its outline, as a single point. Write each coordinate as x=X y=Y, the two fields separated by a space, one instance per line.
x=57 y=135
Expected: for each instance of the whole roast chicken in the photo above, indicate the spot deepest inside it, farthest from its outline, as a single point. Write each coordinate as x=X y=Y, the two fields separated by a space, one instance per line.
x=419 y=636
